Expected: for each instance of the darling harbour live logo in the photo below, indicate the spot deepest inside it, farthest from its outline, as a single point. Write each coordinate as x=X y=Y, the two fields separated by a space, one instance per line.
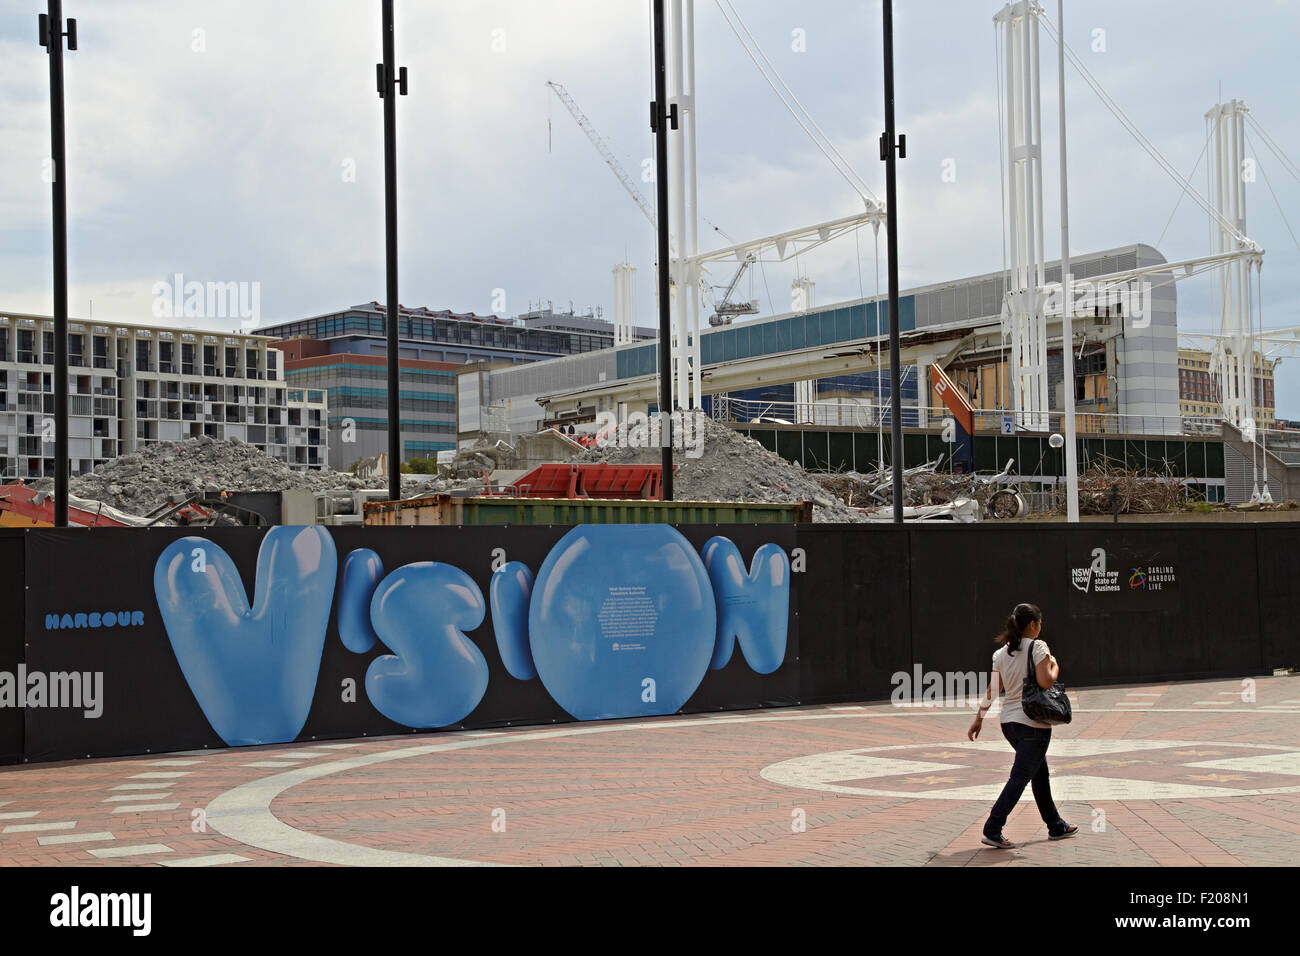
x=1128 y=576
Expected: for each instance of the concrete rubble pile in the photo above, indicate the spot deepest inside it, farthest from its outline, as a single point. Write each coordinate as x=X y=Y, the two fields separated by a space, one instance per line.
x=732 y=467
x=140 y=482
x=475 y=460
x=922 y=485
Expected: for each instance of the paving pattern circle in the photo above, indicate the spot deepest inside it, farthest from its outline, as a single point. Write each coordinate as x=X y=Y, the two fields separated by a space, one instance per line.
x=1081 y=769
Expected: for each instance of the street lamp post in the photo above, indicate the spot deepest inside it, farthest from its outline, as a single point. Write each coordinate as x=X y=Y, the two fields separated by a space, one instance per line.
x=889 y=143
x=391 y=83
x=52 y=34
x=661 y=118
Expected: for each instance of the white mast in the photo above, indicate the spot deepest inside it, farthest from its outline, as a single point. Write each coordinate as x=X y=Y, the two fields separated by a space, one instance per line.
x=1067 y=296
x=1023 y=313
x=683 y=203
x=1234 y=352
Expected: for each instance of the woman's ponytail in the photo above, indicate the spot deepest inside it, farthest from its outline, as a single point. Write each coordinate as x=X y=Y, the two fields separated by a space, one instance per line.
x=1020 y=618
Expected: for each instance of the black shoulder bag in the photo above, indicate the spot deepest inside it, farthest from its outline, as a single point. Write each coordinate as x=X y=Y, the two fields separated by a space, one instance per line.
x=1049 y=706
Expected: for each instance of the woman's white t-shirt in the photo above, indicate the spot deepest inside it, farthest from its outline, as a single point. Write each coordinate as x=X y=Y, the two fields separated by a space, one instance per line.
x=1011 y=671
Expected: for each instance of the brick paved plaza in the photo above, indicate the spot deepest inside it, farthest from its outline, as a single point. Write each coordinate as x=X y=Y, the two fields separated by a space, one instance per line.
x=1162 y=774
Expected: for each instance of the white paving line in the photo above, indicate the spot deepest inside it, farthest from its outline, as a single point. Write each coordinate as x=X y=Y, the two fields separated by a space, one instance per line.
x=1229 y=693
x=76 y=838
x=112 y=852
x=36 y=827
x=304 y=755
x=140 y=786
x=136 y=796
x=5 y=803
x=336 y=746
x=1135 y=703
x=172 y=763
x=146 y=807
x=1211 y=703
x=272 y=763
x=160 y=774
x=216 y=859
x=1143 y=693
x=19 y=815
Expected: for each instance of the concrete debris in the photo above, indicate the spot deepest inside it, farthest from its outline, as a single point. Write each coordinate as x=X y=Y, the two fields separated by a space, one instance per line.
x=961 y=510
x=475 y=460
x=923 y=485
x=141 y=482
x=733 y=467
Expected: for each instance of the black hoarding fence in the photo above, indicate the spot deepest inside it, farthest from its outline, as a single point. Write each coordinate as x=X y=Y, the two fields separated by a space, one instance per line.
x=168 y=640
x=161 y=640
x=12 y=581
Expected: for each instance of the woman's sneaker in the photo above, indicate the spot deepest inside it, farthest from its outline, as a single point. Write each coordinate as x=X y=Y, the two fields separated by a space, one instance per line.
x=1069 y=831
x=999 y=842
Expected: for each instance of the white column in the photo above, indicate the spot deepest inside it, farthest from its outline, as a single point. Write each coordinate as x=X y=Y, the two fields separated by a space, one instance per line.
x=1024 y=317
x=692 y=224
x=1067 y=296
x=677 y=199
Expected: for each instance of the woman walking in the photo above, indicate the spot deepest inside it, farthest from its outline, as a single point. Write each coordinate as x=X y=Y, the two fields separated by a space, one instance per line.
x=1030 y=738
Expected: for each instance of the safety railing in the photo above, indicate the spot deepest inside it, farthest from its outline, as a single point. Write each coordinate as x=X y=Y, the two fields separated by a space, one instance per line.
x=864 y=413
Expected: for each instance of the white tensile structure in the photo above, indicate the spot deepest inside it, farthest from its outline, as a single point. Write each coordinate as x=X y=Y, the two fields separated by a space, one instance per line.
x=624 y=302
x=1024 y=315
x=802 y=292
x=688 y=263
x=1235 y=346
x=683 y=204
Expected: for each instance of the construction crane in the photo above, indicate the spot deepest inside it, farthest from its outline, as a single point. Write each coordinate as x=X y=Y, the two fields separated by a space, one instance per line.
x=610 y=159
x=724 y=310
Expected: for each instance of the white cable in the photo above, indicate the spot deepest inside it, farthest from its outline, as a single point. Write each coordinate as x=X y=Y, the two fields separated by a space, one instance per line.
x=1141 y=139
x=1195 y=167
x=1274 y=147
x=1285 y=221
x=860 y=187
x=802 y=108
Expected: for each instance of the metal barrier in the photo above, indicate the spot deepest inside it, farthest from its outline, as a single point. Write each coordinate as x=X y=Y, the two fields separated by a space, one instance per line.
x=864 y=413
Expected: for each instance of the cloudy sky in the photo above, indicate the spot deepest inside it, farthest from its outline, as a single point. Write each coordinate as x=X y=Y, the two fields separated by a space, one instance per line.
x=241 y=141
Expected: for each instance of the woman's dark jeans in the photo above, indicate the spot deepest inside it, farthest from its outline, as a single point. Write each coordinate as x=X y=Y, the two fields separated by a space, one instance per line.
x=1030 y=768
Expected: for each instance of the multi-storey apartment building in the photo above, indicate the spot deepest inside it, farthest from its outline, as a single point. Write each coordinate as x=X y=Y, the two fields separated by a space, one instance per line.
x=1200 y=394
x=130 y=385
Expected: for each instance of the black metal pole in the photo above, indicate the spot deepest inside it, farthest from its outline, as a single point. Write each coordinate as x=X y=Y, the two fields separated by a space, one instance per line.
x=659 y=123
x=390 y=81
x=51 y=31
x=889 y=142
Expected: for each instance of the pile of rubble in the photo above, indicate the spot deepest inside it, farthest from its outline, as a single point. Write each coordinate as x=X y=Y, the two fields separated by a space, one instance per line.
x=143 y=481
x=732 y=467
x=1107 y=488
x=923 y=485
